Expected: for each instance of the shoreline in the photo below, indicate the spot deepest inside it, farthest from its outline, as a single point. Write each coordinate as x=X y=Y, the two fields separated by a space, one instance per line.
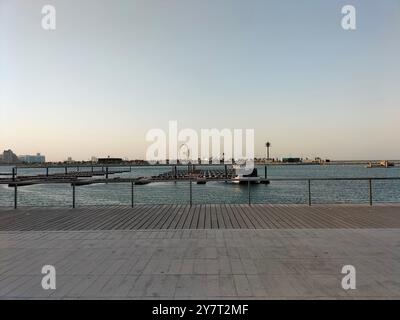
x=127 y=164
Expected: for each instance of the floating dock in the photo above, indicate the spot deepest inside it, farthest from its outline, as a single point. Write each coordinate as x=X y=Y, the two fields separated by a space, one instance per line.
x=80 y=178
x=68 y=176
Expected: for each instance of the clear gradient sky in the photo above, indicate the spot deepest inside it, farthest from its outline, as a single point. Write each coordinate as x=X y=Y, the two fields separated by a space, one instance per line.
x=112 y=70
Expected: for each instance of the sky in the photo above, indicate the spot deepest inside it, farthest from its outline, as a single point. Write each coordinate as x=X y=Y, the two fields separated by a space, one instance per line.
x=113 y=70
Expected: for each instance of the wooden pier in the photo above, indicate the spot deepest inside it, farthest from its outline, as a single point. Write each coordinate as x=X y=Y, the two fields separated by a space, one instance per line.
x=210 y=216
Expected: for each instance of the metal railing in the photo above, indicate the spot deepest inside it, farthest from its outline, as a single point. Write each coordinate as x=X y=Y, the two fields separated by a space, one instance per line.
x=135 y=181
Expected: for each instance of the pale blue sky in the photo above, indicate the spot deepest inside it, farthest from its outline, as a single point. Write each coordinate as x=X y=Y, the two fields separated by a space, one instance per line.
x=112 y=70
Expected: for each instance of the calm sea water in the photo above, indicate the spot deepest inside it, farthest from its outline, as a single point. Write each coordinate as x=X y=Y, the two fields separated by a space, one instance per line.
x=216 y=192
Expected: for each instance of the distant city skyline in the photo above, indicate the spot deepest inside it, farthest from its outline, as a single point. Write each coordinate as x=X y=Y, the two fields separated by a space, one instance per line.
x=41 y=158
x=112 y=71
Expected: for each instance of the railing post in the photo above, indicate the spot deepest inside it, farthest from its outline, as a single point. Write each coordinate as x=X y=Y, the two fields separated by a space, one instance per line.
x=107 y=173
x=47 y=171
x=15 y=196
x=190 y=191
x=370 y=192
x=265 y=171
x=66 y=170
x=73 y=195
x=132 y=194
x=248 y=188
x=309 y=192
x=13 y=174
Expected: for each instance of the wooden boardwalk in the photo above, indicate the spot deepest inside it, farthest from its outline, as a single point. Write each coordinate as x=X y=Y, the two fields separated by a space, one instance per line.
x=212 y=216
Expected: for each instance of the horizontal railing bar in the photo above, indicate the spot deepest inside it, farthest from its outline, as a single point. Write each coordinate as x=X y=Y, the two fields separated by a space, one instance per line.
x=44 y=166
x=98 y=165
x=333 y=179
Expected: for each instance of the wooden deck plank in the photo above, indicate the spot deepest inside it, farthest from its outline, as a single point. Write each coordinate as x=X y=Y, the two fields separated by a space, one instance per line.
x=128 y=214
x=220 y=218
x=141 y=215
x=185 y=215
x=214 y=219
x=227 y=220
x=159 y=217
x=262 y=212
x=173 y=220
x=202 y=217
x=267 y=223
x=211 y=216
x=276 y=220
x=35 y=219
x=207 y=222
x=148 y=215
x=165 y=221
x=232 y=217
x=196 y=215
x=307 y=217
x=254 y=217
x=61 y=220
x=133 y=215
x=185 y=223
x=247 y=214
x=239 y=217
x=317 y=216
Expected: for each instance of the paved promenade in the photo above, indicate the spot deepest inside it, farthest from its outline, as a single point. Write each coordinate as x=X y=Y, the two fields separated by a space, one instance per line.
x=297 y=261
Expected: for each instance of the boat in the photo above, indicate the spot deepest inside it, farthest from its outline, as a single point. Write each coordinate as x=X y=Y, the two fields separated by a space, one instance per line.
x=243 y=175
x=381 y=164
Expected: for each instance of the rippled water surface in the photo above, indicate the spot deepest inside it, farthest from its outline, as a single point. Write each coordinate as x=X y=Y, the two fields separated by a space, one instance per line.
x=216 y=192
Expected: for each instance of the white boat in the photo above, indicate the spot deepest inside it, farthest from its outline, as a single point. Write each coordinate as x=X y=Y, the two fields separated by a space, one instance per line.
x=244 y=174
x=381 y=164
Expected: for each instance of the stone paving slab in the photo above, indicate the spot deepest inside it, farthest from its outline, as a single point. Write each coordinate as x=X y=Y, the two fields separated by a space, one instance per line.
x=201 y=264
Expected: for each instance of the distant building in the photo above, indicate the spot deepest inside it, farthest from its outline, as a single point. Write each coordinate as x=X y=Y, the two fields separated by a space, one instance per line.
x=93 y=159
x=291 y=160
x=38 y=158
x=109 y=160
x=9 y=157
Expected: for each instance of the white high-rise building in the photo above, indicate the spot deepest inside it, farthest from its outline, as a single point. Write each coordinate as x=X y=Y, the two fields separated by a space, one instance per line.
x=38 y=158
